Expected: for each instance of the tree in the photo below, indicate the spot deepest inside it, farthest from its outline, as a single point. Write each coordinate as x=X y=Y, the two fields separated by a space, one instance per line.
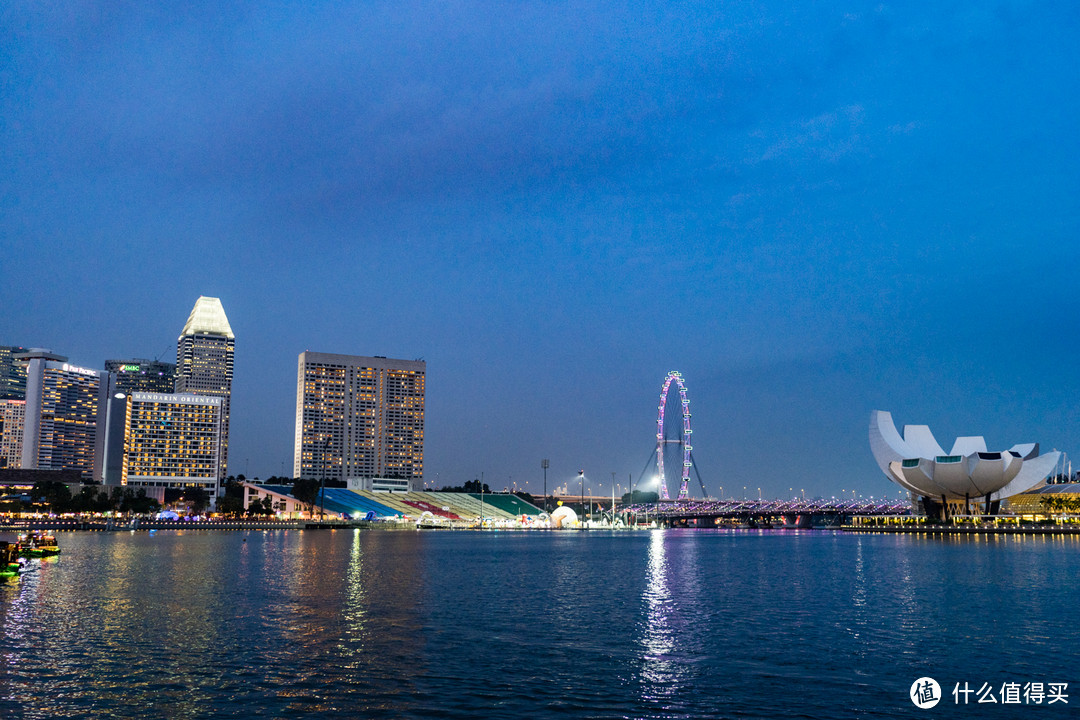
x=86 y=500
x=55 y=495
x=473 y=486
x=231 y=505
x=640 y=496
x=141 y=504
x=197 y=498
x=265 y=506
x=306 y=490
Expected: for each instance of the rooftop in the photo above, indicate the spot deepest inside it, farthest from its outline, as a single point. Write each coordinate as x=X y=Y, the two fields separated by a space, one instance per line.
x=208 y=318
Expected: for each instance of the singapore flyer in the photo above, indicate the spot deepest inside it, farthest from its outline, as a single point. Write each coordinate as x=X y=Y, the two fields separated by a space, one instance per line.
x=684 y=438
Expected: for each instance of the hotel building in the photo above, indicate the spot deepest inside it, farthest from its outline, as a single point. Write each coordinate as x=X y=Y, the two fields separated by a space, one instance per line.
x=204 y=362
x=172 y=440
x=63 y=406
x=141 y=375
x=360 y=420
x=12 y=421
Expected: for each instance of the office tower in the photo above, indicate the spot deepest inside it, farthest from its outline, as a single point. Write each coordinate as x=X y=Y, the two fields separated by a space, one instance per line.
x=12 y=422
x=172 y=440
x=12 y=373
x=141 y=375
x=360 y=419
x=204 y=362
x=63 y=404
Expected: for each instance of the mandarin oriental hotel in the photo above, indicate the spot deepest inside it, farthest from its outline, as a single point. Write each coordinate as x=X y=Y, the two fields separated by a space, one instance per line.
x=171 y=440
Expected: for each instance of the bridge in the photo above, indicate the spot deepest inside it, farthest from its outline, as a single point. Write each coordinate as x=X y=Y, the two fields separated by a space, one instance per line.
x=685 y=511
x=788 y=513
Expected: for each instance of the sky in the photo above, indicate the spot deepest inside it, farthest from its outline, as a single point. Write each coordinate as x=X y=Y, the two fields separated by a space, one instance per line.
x=810 y=210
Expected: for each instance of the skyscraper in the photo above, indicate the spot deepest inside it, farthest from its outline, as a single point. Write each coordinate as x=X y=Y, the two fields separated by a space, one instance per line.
x=142 y=375
x=360 y=418
x=12 y=373
x=204 y=362
x=63 y=405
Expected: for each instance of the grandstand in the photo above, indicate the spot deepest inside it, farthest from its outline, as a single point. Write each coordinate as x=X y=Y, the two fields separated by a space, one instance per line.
x=447 y=505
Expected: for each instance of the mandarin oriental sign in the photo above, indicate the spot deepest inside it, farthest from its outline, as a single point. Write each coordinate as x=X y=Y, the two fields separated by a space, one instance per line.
x=174 y=398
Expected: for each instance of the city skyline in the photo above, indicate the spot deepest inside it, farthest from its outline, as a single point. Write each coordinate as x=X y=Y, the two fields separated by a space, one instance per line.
x=809 y=212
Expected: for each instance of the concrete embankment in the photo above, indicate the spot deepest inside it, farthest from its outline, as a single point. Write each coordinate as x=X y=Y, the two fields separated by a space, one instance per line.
x=966 y=529
x=141 y=524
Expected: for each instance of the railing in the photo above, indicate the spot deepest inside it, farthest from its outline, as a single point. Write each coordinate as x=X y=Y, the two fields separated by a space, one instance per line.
x=714 y=508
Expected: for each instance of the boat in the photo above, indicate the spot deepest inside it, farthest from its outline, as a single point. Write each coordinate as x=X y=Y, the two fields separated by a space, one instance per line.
x=38 y=544
x=10 y=562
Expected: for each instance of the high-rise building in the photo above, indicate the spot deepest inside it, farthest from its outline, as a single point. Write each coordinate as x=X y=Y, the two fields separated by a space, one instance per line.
x=63 y=406
x=141 y=375
x=204 y=362
x=172 y=440
x=12 y=422
x=12 y=373
x=360 y=419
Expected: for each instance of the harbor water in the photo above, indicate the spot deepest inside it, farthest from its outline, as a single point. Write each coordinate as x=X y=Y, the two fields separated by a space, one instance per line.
x=646 y=624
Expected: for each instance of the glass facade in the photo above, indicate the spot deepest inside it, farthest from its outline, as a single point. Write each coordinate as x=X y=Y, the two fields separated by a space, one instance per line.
x=12 y=374
x=141 y=375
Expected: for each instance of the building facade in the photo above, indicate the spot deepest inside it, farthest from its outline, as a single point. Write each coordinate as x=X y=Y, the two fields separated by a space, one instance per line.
x=283 y=504
x=968 y=479
x=204 y=362
x=141 y=375
x=171 y=440
x=359 y=418
x=63 y=405
x=12 y=373
x=12 y=422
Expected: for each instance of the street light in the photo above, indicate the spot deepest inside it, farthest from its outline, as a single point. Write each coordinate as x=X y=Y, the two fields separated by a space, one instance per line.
x=581 y=476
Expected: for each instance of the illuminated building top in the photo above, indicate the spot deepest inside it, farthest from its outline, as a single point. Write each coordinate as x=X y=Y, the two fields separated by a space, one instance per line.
x=208 y=318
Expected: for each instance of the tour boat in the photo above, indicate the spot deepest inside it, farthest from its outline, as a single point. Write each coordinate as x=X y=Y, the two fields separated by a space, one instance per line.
x=10 y=562
x=38 y=544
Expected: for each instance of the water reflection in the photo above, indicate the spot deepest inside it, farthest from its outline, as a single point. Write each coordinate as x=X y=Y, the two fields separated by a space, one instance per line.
x=658 y=672
x=671 y=633
x=462 y=625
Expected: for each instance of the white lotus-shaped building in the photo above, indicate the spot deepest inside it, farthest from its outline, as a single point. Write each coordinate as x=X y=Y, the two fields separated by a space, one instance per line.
x=968 y=471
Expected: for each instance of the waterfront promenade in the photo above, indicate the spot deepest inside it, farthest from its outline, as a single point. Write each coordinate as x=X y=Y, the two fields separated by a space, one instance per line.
x=119 y=524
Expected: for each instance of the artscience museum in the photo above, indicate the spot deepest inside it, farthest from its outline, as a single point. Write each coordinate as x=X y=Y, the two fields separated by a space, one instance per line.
x=949 y=483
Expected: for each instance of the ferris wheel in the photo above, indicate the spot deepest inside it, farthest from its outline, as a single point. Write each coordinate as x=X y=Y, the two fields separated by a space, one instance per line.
x=684 y=438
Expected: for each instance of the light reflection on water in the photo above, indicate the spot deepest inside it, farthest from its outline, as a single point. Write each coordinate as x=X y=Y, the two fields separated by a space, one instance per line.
x=658 y=673
x=655 y=624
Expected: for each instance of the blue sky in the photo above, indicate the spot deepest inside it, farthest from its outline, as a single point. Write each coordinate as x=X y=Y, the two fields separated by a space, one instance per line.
x=811 y=211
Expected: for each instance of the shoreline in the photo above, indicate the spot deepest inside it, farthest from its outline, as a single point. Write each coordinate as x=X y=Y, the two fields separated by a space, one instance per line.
x=964 y=530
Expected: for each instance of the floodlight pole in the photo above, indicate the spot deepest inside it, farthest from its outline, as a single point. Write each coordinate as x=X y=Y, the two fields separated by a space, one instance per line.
x=544 y=464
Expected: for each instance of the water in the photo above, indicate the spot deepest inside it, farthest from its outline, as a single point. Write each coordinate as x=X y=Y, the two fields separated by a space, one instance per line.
x=661 y=624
